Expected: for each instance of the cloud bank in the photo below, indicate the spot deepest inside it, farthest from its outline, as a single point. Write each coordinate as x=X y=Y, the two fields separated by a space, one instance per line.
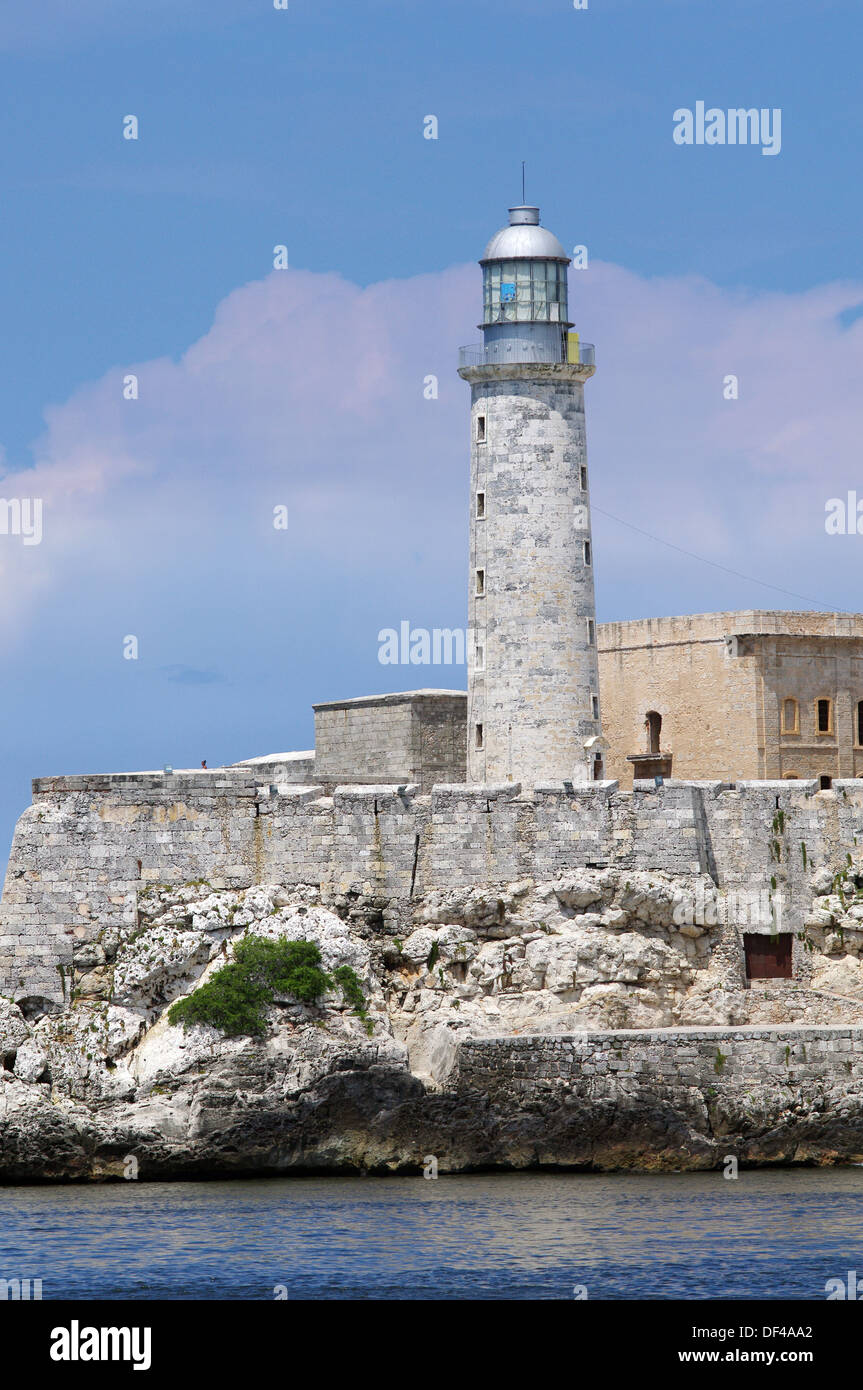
x=307 y=393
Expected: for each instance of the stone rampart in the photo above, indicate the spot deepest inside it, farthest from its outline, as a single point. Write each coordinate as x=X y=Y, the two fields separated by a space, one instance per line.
x=88 y=845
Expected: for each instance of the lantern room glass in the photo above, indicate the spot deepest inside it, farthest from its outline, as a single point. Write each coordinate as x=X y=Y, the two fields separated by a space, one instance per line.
x=540 y=292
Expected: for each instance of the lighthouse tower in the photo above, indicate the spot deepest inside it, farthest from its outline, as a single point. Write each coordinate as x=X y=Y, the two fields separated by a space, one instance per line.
x=533 y=683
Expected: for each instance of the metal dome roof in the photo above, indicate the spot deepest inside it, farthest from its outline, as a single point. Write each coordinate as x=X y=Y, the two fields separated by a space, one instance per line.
x=524 y=238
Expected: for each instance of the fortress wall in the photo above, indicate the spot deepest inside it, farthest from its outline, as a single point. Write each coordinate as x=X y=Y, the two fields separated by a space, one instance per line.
x=703 y=1057
x=764 y=831
x=88 y=845
x=362 y=839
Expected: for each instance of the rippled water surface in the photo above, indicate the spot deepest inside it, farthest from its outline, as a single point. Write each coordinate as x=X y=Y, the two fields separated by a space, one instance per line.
x=770 y=1234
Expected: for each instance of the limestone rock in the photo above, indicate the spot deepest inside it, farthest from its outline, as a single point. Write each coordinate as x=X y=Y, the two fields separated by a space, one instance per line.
x=13 y=1028
x=821 y=881
x=151 y=965
x=30 y=1061
x=95 y=984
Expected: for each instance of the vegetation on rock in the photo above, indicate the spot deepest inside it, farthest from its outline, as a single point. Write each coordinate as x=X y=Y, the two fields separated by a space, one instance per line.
x=236 y=997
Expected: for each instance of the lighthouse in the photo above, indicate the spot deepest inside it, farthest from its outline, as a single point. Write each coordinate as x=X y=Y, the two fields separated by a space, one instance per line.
x=533 y=681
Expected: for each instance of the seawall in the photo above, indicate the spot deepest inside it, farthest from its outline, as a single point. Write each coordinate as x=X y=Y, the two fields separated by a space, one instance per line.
x=703 y=1057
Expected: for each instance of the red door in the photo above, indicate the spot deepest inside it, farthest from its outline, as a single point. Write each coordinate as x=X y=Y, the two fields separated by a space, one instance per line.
x=767 y=957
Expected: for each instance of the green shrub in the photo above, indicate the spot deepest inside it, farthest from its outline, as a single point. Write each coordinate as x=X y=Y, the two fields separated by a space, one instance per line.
x=352 y=993
x=235 y=998
x=352 y=990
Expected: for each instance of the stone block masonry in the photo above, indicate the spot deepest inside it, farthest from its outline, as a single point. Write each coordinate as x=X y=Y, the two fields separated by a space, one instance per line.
x=720 y=683
x=417 y=737
x=88 y=846
x=533 y=679
x=701 y=1057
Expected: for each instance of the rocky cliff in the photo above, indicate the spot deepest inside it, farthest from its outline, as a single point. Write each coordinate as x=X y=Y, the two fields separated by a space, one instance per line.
x=106 y=1086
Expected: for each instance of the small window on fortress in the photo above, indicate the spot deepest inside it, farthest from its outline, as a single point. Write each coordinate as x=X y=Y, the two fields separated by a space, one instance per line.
x=825 y=783
x=480 y=504
x=480 y=658
x=860 y=722
x=790 y=717
x=653 y=725
x=824 y=716
x=583 y=478
x=594 y=699
x=479 y=736
x=480 y=581
x=591 y=631
x=480 y=429
x=587 y=560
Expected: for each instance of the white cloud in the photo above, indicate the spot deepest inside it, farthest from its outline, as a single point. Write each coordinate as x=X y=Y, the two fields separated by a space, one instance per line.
x=307 y=391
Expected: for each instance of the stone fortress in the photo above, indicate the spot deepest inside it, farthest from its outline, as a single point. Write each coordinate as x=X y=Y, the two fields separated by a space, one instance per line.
x=593 y=960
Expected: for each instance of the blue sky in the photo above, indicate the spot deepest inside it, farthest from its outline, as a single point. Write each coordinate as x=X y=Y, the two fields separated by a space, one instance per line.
x=303 y=388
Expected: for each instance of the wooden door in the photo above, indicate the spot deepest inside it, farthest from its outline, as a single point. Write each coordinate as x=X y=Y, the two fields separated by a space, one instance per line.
x=768 y=957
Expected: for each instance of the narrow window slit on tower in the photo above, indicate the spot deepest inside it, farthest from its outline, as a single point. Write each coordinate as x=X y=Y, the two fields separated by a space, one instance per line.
x=591 y=631
x=583 y=478
x=594 y=700
x=480 y=504
x=480 y=658
x=480 y=581
x=587 y=560
x=416 y=861
x=479 y=742
x=653 y=725
x=480 y=429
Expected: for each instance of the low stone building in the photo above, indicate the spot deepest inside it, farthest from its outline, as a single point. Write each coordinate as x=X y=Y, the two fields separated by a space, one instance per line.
x=733 y=695
x=417 y=736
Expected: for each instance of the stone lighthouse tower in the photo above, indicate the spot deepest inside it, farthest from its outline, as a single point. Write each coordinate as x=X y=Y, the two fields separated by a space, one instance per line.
x=533 y=682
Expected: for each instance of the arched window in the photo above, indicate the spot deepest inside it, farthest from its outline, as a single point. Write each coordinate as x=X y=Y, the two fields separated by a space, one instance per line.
x=653 y=725
x=790 y=716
